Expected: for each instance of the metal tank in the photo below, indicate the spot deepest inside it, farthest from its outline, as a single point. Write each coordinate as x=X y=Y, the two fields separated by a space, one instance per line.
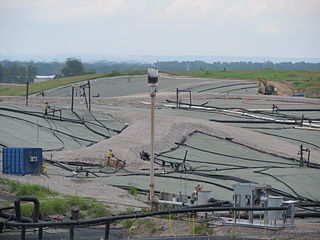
x=274 y=201
x=204 y=197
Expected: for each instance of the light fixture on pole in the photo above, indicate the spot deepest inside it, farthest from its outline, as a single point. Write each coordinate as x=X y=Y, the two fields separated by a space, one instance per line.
x=153 y=76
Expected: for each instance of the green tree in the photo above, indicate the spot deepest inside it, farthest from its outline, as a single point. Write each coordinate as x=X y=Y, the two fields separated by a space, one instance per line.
x=73 y=67
x=31 y=73
x=1 y=73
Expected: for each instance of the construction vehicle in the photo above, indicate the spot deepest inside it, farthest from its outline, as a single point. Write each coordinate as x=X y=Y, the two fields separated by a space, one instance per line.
x=265 y=88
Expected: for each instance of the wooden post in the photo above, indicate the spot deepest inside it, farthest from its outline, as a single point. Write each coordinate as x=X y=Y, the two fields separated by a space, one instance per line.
x=72 y=96
x=27 y=93
x=89 y=86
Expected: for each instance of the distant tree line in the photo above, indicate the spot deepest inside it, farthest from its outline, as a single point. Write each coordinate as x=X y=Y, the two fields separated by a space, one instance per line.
x=16 y=71
x=200 y=65
x=17 y=74
x=73 y=67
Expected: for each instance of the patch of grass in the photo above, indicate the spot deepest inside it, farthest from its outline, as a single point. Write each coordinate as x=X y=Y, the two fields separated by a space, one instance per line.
x=97 y=210
x=302 y=80
x=26 y=209
x=54 y=206
x=76 y=201
x=133 y=190
x=47 y=207
x=38 y=87
x=254 y=74
x=127 y=223
x=26 y=189
x=148 y=224
x=87 y=206
x=203 y=230
x=129 y=210
x=63 y=206
x=304 y=84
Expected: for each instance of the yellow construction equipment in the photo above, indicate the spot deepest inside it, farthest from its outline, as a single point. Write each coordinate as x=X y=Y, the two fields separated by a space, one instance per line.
x=265 y=88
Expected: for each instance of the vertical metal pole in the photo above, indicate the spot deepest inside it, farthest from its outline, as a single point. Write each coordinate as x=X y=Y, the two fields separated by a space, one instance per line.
x=27 y=93
x=23 y=233
x=72 y=96
x=152 y=185
x=40 y=233
x=37 y=131
x=85 y=96
x=177 y=93
x=89 y=86
x=71 y=233
x=107 y=231
x=301 y=156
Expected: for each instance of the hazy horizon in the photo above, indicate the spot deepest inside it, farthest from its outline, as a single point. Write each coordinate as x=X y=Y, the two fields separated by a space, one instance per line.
x=136 y=29
x=91 y=58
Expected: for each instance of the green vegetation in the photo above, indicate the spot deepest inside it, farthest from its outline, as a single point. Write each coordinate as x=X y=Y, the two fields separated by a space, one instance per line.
x=58 y=82
x=141 y=224
x=73 y=67
x=129 y=210
x=148 y=224
x=17 y=74
x=255 y=74
x=307 y=81
x=88 y=207
x=133 y=190
x=26 y=189
x=127 y=223
x=203 y=230
x=52 y=202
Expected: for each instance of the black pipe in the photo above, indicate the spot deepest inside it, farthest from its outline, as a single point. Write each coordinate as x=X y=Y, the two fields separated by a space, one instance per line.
x=307 y=215
x=236 y=89
x=36 y=209
x=229 y=85
x=10 y=216
x=252 y=121
x=6 y=208
x=105 y=220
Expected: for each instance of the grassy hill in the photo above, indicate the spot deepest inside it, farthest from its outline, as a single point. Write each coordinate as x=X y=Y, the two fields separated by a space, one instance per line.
x=7 y=89
x=306 y=81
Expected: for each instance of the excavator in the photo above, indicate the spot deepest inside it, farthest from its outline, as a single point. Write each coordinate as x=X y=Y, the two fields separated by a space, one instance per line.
x=265 y=88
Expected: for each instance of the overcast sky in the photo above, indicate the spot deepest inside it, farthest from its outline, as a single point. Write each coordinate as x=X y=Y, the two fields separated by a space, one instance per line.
x=278 y=28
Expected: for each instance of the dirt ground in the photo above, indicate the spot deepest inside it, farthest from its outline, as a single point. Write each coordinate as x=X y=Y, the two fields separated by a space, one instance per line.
x=306 y=229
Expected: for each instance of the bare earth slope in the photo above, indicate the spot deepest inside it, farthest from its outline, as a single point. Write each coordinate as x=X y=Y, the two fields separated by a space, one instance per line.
x=171 y=129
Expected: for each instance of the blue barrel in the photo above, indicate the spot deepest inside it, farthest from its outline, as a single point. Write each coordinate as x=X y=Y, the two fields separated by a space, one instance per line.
x=21 y=161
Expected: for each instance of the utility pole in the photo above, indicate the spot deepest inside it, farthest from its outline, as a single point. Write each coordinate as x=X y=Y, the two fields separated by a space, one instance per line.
x=72 y=96
x=152 y=182
x=153 y=76
x=89 y=95
x=27 y=94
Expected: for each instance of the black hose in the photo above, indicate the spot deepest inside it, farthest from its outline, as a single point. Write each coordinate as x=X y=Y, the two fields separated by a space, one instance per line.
x=293 y=139
x=104 y=126
x=229 y=85
x=237 y=89
x=86 y=125
x=231 y=156
x=253 y=121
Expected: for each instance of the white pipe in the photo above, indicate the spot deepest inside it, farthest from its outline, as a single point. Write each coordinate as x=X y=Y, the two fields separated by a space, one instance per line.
x=173 y=203
x=247 y=114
